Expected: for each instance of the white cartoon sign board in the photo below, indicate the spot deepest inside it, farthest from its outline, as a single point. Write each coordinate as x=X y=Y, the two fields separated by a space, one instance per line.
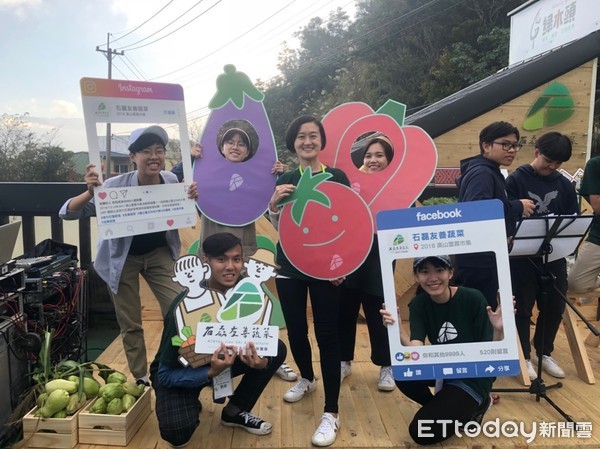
x=450 y=229
x=211 y=335
x=240 y=315
x=126 y=211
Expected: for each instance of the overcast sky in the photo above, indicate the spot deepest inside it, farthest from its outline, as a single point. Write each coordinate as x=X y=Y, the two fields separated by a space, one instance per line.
x=47 y=46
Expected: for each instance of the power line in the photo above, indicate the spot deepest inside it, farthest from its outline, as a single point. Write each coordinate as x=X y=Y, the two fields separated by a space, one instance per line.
x=130 y=69
x=119 y=70
x=167 y=25
x=336 y=50
x=137 y=69
x=144 y=22
x=266 y=37
x=228 y=43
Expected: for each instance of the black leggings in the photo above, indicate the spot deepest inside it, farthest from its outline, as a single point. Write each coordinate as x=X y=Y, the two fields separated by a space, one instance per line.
x=350 y=303
x=450 y=403
x=526 y=286
x=325 y=302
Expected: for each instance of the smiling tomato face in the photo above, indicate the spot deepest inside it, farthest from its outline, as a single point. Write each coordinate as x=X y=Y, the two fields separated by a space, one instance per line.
x=330 y=241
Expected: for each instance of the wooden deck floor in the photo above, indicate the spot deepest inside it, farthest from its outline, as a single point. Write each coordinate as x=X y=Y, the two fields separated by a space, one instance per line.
x=370 y=418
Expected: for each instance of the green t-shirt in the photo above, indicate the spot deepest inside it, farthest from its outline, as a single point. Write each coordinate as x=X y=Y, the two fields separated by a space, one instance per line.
x=167 y=353
x=590 y=185
x=463 y=319
x=293 y=177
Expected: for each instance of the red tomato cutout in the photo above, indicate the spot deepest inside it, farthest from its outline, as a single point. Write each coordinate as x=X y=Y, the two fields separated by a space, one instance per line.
x=407 y=175
x=330 y=242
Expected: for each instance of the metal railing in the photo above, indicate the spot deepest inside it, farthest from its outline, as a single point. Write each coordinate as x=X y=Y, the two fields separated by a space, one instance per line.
x=44 y=199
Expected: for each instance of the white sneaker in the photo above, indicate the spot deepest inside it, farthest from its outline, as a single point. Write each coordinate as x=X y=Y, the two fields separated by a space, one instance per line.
x=327 y=431
x=297 y=392
x=345 y=370
x=386 y=379
x=550 y=366
x=286 y=373
x=531 y=370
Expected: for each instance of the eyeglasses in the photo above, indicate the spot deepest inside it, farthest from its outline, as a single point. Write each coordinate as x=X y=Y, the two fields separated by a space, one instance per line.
x=147 y=152
x=507 y=146
x=239 y=143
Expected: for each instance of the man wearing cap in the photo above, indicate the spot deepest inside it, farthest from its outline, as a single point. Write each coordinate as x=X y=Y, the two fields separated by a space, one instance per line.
x=445 y=314
x=120 y=261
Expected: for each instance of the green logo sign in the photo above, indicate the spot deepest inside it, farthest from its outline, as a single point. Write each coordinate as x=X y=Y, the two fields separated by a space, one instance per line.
x=398 y=240
x=554 y=106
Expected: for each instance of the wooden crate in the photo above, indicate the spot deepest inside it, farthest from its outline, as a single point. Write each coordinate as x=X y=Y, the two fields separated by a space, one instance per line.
x=50 y=432
x=113 y=430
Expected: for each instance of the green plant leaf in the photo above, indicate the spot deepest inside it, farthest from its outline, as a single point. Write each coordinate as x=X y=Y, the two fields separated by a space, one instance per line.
x=305 y=192
x=234 y=86
x=187 y=331
x=395 y=110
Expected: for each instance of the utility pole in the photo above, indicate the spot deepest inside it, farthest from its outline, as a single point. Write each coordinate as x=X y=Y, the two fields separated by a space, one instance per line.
x=109 y=55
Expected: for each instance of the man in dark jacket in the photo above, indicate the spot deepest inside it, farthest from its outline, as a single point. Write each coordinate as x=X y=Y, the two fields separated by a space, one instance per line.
x=481 y=179
x=553 y=194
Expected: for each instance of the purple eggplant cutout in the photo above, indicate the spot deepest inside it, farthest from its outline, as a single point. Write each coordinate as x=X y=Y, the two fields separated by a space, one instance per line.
x=235 y=193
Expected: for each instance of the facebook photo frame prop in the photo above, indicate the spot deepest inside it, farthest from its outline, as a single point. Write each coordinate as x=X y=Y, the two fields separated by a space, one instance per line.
x=205 y=318
x=126 y=211
x=414 y=153
x=236 y=193
x=459 y=228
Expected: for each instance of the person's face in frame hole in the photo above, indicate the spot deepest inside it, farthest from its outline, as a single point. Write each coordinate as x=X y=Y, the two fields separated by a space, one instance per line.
x=225 y=269
x=375 y=159
x=434 y=280
x=235 y=148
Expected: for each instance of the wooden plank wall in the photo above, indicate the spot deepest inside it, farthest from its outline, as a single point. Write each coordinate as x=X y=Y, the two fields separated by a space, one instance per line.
x=463 y=141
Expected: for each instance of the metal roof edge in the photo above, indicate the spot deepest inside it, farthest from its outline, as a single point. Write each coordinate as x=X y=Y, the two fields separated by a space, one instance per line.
x=503 y=86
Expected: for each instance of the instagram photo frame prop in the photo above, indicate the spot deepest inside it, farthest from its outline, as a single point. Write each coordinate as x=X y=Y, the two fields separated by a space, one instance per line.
x=413 y=163
x=236 y=193
x=126 y=211
x=450 y=229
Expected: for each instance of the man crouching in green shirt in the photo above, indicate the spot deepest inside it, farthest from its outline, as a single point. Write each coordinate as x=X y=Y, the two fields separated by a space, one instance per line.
x=178 y=387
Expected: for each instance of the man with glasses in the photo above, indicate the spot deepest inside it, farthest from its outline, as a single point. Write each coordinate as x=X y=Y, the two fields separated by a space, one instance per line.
x=553 y=194
x=121 y=261
x=481 y=179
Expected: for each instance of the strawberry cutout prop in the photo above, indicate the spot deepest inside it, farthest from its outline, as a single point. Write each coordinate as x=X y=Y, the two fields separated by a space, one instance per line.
x=408 y=173
x=325 y=228
x=235 y=193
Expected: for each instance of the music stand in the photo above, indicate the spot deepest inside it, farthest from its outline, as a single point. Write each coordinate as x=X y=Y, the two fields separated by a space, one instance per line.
x=552 y=238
